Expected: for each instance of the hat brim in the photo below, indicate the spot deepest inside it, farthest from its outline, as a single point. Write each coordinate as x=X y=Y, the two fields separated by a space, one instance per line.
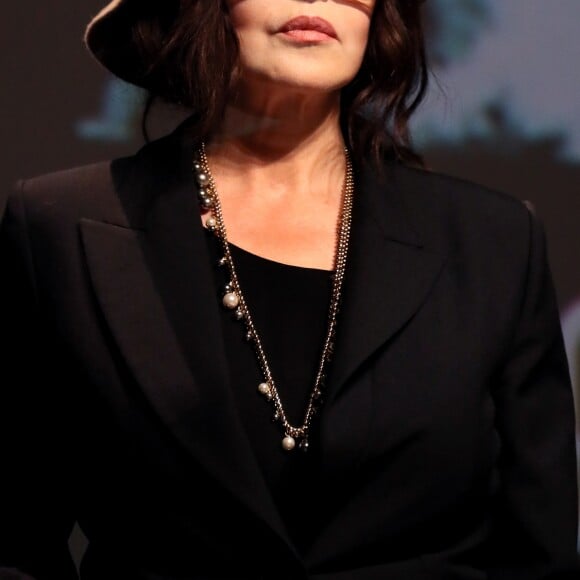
x=108 y=39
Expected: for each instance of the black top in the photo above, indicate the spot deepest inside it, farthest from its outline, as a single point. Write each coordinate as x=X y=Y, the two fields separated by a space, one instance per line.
x=289 y=306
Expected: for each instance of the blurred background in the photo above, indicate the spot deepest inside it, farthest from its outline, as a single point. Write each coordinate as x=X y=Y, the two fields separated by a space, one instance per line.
x=503 y=110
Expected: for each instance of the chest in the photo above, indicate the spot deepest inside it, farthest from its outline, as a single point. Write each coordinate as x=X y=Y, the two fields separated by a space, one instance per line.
x=290 y=232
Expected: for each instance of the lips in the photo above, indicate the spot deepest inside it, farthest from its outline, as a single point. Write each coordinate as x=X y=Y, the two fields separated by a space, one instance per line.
x=306 y=24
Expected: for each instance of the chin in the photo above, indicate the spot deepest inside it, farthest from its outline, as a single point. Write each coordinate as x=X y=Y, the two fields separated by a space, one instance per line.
x=318 y=79
x=311 y=83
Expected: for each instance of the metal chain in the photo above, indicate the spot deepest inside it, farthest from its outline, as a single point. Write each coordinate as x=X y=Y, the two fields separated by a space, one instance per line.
x=234 y=298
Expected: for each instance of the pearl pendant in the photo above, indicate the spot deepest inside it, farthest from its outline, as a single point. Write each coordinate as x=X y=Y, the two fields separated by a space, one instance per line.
x=231 y=300
x=288 y=443
x=264 y=389
x=202 y=179
x=206 y=202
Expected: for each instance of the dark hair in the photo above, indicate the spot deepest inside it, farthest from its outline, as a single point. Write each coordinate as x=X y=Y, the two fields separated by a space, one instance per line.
x=196 y=65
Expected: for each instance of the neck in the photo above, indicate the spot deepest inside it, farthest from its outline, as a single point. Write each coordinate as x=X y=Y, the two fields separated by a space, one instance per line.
x=288 y=140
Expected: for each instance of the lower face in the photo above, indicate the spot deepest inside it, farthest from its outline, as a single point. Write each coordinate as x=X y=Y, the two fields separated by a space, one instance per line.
x=308 y=54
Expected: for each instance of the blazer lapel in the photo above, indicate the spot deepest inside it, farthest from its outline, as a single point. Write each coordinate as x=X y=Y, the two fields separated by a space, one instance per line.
x=153 y=280
x=389 y=275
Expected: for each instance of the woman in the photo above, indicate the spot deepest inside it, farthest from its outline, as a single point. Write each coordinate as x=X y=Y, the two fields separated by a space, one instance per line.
x=266 y=346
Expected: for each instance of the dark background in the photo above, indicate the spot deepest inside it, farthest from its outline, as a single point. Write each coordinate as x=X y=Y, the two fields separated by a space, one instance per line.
x=502 y=112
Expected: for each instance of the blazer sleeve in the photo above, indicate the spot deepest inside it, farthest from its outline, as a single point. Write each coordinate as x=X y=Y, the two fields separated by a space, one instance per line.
x=36 y=453
x=536 y=512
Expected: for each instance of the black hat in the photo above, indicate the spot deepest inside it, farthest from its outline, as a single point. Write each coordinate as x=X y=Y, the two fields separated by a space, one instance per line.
x=109 y=38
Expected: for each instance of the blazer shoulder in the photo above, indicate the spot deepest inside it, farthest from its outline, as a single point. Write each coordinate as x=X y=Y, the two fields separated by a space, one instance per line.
x=77 y=188
x=439 y=189
x=117 y=191
x=95 y=191
x=81 y=188
x=105 y=176
x=452 y=211
x=464 y=220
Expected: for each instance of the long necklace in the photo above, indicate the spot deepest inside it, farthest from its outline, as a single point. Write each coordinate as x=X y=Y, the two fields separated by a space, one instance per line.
x=233 y=299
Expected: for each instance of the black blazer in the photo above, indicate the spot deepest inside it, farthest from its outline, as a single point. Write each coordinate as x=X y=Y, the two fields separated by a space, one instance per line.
x=447 y=434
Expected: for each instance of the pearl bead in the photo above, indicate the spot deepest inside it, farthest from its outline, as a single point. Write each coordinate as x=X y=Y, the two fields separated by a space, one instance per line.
x=264 y=388
x=197 y=165
x=288 y=443
x=239 y=314
x=231 y=300
x=211 y=223
x=206 y=202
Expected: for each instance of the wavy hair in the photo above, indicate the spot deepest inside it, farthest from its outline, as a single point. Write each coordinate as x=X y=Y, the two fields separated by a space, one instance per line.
x=191 y=56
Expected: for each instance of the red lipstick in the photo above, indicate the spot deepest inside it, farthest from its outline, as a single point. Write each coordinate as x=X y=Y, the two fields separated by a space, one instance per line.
x=308 y=29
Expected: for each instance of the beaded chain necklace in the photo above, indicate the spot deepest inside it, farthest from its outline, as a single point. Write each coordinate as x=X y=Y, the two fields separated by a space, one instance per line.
x=233 y=299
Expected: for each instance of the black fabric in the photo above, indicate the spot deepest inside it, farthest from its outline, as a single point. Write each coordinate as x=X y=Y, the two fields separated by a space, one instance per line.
x=289 y=307
x=447 y=439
